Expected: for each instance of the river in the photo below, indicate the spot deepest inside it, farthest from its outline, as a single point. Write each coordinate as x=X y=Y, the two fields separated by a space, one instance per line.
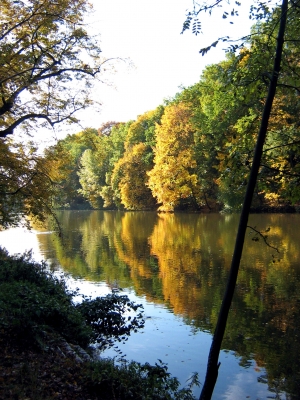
x=177 y=265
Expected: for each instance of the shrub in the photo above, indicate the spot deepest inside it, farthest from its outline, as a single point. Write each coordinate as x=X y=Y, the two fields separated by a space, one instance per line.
x=136 y=381
x=111 y=316
x=33 y=301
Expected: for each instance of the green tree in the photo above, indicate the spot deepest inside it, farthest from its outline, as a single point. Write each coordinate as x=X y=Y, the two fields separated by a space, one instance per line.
x=115 y=149
x=251 y=70
x=64 y=159
x=143 y=129
x=26 y=185
x=227 y=104
x=97 y=163
x=214 y=110
x=91 y=179
x=213 y=364
x=131 y=171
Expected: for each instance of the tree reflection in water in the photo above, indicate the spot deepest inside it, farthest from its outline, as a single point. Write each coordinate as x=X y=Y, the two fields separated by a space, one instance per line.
x=182 y=261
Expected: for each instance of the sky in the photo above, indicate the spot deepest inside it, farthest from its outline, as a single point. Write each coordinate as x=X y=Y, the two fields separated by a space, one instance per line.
x=159 y=59
x=149 y=34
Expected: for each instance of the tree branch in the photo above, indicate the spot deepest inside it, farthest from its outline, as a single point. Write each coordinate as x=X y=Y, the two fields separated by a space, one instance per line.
x=264 y=237
x=278 y=170
x=10 y=130
x=282 y=145
x=21 y=187
x=289 y=87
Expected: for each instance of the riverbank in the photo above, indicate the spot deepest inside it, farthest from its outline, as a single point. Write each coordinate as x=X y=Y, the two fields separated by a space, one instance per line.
x=50 y=373
x=58 y=373
x=45 y=342
x=262 y=209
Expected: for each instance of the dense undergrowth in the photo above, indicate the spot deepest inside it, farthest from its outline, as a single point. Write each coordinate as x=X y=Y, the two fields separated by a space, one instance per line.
x=47 y=340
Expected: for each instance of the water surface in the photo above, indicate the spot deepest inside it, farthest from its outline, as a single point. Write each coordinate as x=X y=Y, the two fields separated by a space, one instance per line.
x=177 y=265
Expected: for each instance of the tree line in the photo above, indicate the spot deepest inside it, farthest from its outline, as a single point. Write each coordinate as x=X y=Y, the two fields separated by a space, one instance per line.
x=194 y=152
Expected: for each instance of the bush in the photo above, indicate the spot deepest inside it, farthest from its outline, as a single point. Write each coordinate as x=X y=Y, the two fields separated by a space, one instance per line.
x=33 y=301
x=36 y=308
x=111 y=316
x=135 y=381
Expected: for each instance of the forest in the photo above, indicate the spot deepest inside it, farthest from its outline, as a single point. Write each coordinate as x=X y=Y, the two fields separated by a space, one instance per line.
x=194 y=152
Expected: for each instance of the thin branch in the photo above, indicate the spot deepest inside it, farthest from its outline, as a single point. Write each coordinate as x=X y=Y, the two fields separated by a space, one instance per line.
x=282 y=145
x=264 y=237
x=10 y=129
x=289 y=87
x=206 y=7
x=21 y=187
x=278 y=170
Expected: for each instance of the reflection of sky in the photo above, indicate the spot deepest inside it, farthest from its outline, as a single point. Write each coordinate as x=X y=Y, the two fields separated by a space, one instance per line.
x=164 y=337
x=239 y=383
x=167 y=338
x=19 y=240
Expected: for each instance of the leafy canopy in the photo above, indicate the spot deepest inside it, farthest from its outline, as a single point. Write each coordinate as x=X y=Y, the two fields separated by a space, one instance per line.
x=48 y=62
x=26 y=184
x=44 y=48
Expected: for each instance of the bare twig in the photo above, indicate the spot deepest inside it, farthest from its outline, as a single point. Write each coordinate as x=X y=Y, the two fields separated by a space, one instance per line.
x=264 y=237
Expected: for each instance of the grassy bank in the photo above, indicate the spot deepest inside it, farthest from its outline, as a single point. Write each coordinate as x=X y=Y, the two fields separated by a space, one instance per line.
x=47 y=341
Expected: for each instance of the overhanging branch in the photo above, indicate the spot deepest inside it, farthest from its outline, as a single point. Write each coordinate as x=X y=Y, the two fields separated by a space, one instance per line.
x=10 y=129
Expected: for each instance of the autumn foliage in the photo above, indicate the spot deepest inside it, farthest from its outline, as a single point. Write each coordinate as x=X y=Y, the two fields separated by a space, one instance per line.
x=194 y=152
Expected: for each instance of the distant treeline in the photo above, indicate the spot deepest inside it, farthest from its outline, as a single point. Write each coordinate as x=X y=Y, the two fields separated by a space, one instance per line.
x=194 y=152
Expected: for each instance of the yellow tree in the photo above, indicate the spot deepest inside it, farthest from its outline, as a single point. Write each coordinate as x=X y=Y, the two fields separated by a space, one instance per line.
x=173 y=180
x=132 y=183
x=129 y=176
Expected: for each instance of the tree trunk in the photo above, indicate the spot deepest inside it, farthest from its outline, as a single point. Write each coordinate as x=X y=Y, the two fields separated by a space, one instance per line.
x=213 y=364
